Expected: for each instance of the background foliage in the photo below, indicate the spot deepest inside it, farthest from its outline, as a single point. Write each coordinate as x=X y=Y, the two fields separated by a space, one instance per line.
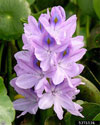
x=13 y=13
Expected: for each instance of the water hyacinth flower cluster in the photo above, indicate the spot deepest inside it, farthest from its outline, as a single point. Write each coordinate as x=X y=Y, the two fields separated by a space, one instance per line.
x=47 y=66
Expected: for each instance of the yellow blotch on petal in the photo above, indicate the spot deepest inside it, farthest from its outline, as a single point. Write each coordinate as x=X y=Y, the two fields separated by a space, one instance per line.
x=40 y=26
x=56 y=20
x=38 y=63
x=48 y=41
x=18 y=96
x=64 y=53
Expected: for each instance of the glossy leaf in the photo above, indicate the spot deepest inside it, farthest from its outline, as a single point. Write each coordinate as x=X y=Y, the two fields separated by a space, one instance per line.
x=88 y=92
x=36 y=15
x=45 y=114
x=1 y=53
x=11 y=11
x=29 y=119
x=31 y=1
x=94 y=39
x=7 y=112
x=67 y=118
x=86 y=6
x=90 y=110
x=97 y=117
x=92 y=60
x=53 y=120
x=80 y=102
x=3 y=90
x=96 y=4
x=88 y=74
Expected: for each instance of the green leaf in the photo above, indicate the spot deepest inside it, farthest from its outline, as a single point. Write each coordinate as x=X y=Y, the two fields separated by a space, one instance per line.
x=86 y=7
x=70 y=9
x=88 y=92
x=96 y=5
x=80 y=102
x=3 y=90
x=28 y=119
x=88 y=74
x=97 y=117
x=11 y=11
x=45 y=114
x=67 y=118
x=31 y=1
x=19 y=44
x=7 y=112
x=90 y=110
x=53 y=120
x=92 y=61
x=94 y=39
x=1 y=53
x=36 y=15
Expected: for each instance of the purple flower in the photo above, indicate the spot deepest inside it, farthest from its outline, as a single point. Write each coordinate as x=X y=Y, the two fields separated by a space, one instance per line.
x=29 y=72
x=48 y=47
x=56 y=25
x=33 y=31
x=66 y=66
x=27 y=104
x=61 y=96
x=48 y=64
x=38 y=38
x=28 y=43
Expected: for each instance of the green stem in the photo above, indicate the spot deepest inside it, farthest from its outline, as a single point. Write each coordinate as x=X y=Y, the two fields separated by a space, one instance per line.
x=13 y=42
x=71 y=0
x=9 y=64
x=87 y=26
x=1 y=52
x=78 y=24
x=75 y=1
x=36 y=8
